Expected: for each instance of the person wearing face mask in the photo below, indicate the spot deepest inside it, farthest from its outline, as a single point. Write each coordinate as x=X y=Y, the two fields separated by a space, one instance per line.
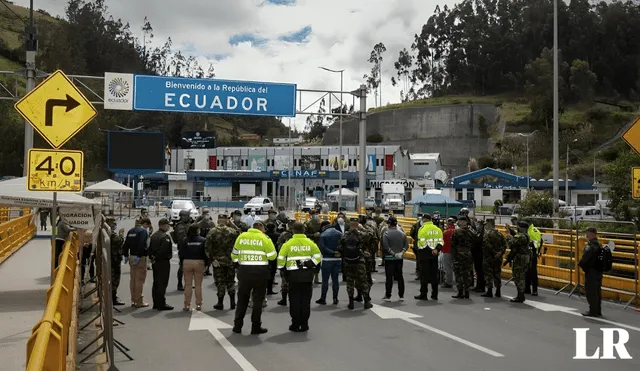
x=340 y=223
x=271 y=218
x=414 y=236
x=281 y=220
x=312 y=228
x=161 y=251
x=237 y=221
x=179 y=237
x=116 y=260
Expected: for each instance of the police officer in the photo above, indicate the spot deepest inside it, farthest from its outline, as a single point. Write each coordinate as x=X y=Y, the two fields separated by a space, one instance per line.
x=592 y=267
x=312 y=230
x=284 y=284
x=535 y=247
x=430 y=242
x=219 y=245
x=116 y=260
x=161 y=252
x=351 y=248
x=179 y=237
x=462 y=241
x=137 y=245
x=414 y=236
x=252 y=251
x=300 y=257
x=519 y=257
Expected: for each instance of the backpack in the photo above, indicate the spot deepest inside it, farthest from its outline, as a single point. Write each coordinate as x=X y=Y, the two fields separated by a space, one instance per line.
x=352 y=249
x=605 y=258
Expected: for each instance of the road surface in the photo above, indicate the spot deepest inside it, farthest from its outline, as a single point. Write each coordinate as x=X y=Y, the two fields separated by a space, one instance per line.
x=448 y=334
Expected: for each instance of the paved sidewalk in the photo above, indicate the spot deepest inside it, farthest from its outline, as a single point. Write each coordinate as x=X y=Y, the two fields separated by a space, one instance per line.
x=24 y=280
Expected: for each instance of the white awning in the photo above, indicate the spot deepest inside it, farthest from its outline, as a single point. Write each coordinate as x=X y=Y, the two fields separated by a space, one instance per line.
x=109 y=186
x=14 y=192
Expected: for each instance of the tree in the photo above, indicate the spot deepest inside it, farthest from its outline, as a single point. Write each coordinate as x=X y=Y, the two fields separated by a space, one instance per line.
x=617 y=174
x=582 y=81
x=403 y=69
x=536 y=203
x=315 y=127
x=539 y=87
x=373 y=80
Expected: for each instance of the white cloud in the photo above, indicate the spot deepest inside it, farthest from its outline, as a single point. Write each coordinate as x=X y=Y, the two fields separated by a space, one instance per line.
x=343 y=34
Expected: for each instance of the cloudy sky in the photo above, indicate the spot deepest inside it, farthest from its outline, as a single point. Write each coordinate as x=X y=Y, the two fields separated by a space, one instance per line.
x=281 y=40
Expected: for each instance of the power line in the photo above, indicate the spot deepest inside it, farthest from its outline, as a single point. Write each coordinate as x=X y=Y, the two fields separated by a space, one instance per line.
x=14 y=13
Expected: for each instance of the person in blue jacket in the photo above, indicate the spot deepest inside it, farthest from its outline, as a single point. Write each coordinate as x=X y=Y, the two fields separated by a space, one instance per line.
x=331 y=261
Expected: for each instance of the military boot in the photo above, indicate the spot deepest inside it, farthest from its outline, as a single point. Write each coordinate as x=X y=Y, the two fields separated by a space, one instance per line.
x=460 y=295
x=232 y=300
x=351 y=303
x=519 y=298
x=237 y=326
x=180 y=286
x=220 y=305
x=257 y=329
x=466 y=294
x=488 y=294
x=498 y=294
x=283 y=302
x=367 y=302
x=358 y=297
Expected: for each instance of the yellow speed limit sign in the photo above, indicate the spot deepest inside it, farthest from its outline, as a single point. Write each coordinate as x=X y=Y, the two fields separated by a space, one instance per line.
x=55 y=170
x=635 y=182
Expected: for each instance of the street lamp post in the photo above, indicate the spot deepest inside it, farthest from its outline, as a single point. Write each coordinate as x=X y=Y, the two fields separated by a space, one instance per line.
x=527 y=136
x=566 y=181
x=340 y=155
x=556 y=154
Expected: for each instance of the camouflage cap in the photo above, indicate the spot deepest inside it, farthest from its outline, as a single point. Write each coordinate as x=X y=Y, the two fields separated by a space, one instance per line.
x=523 y=225
x=272 y=211
x=236 y=212
x=110 y=220
x=257 y=223
x=463 y=219
x=354 y=219
x=164 y=221
x=223 y=216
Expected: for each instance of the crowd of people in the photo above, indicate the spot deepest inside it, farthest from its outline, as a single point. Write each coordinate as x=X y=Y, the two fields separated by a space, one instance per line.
x=467 y=251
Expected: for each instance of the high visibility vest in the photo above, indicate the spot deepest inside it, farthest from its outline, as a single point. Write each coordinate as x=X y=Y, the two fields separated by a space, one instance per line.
x=430 y=236
x=253 y=248
x=298 y=248
x=534 y=236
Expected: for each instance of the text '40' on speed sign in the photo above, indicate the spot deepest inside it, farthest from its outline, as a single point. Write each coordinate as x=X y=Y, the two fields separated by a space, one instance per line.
x=55 y=171
x=56 y=109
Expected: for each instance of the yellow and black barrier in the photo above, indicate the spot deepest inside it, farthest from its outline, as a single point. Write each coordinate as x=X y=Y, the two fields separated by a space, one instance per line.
x=558 y=268
x=49 y=341
x=15 y=231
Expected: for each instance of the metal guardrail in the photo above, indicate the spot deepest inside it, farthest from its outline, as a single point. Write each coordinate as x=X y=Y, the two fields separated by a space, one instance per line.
x=558 y=268
x=15 y=233
x=47 y=346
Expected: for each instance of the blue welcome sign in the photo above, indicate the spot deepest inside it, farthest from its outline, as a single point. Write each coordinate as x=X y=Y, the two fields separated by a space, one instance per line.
x=176 y=94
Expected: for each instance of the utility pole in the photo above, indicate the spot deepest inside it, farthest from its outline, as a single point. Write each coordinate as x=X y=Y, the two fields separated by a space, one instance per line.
x=31 y=46
x=362 y=156
x=556 y=138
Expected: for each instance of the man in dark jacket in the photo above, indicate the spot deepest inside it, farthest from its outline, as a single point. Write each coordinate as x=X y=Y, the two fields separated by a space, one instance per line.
x=136 y=244
x=394 y=245
x=331 y=261
x=592 y=267
x=161 y=252
x=273 y=265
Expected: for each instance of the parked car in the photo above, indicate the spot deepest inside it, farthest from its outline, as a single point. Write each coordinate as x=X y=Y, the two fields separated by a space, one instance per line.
x=370 y=202
x=259 y=204
x=310 y=203
x=173 y=212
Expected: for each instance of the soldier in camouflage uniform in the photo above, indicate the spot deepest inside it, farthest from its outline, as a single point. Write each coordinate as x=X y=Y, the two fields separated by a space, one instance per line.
x=237 y=221
x=116 y=259
x=355 y=271
x=205 y=224
x=179 y=236
x=519 y=257
x=461 y=243
x=219 y=244
x=312 y=230
x=370 y=244
x=493 y=247
x=284 y=237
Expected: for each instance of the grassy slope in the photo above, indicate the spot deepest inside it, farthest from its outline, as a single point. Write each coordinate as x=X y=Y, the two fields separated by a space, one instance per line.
x=514 y=109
